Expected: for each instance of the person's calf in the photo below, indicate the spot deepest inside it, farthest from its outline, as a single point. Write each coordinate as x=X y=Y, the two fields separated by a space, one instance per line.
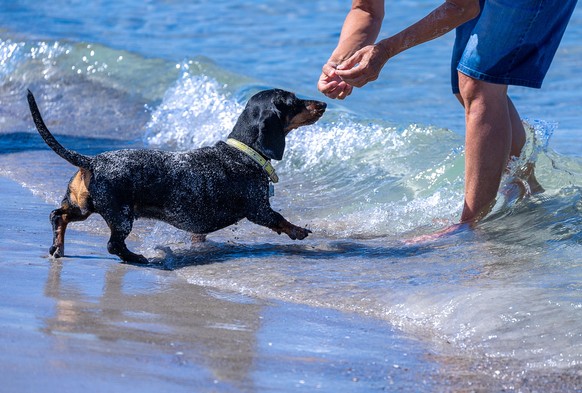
x=487 y=146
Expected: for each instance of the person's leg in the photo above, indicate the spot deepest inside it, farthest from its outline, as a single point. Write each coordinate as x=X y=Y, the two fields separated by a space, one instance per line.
x=488 y=141
x=518 y=138
x=511 y=43
x=517 y=131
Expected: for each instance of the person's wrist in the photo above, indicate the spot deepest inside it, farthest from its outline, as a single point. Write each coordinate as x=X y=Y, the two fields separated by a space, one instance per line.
x=385 y=49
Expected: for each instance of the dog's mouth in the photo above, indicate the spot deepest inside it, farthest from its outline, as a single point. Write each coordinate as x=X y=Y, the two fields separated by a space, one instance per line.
x=312 y=112
x=316 y=108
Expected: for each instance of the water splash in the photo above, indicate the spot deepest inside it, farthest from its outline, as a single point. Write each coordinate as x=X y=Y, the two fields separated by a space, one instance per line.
x=361 y=186
x=193 y=113
x=348 y=177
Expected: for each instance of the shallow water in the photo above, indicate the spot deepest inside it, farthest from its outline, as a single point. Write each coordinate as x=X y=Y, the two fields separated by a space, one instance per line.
x=379 y=168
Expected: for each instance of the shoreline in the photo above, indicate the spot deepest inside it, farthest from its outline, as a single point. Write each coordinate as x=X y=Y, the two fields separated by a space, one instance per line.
x=89 y=322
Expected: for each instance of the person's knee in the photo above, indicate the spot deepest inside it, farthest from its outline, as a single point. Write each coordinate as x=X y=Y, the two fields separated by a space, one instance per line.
x=473 y=90
x=458 y=95
x=468 y=88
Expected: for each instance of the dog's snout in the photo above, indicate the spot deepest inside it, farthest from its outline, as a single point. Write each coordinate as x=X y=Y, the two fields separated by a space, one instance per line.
x=316 y=106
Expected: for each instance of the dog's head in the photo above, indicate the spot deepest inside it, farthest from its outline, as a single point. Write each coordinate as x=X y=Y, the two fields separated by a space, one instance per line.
x=269 y=116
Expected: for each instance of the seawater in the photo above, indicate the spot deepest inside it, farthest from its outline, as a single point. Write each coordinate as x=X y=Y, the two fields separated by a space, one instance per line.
x=380 y=168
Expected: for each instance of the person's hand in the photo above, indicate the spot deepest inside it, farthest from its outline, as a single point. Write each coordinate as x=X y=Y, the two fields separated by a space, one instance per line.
x=331 y=84
x=363 y=66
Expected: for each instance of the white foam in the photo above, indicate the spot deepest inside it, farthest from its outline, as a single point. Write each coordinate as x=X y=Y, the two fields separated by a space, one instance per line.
x=194 y=113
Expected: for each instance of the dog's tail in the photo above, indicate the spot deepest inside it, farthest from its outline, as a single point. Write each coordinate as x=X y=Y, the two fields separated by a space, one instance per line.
x=73 y=157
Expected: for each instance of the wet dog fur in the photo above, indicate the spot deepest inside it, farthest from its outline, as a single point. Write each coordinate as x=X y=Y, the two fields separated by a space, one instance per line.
x=199 y=191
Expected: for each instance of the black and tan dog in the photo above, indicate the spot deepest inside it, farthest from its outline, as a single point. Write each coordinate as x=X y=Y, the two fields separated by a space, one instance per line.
x=199 y=191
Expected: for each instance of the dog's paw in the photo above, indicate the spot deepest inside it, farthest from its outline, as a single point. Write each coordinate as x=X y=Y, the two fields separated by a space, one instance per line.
x=294 y=232
x=56 y=251
x=297 y=233
x=134 y=258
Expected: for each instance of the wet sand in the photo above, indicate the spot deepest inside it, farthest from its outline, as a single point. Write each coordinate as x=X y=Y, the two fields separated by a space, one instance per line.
x=89 y=323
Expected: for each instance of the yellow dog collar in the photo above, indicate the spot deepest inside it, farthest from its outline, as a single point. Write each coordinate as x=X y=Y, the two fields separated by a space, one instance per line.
x=265 y=164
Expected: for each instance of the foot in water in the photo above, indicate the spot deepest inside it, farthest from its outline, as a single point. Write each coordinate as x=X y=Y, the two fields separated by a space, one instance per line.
x=527 y=173
x=521 y=185
x=443 y=233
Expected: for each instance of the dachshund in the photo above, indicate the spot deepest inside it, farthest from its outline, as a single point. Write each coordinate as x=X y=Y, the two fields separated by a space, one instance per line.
x=199 y=191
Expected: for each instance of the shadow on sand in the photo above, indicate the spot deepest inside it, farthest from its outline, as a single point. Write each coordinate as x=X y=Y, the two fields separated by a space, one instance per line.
x=210 y=253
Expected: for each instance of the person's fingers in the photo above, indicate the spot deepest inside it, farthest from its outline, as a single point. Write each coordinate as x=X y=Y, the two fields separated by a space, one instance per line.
x=331 y=85
x=349 y=89
x=330 y=89
x=345 y=92
x=328 y=69
x=355 y=77
x=351 y=62
x=327 y=88
x=360 y=68
x=341 y=91
x=360 y=75
x=353 y=70
x=325 y=83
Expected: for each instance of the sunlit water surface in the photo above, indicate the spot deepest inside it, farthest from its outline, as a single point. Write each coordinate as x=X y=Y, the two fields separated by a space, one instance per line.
x=380 y=168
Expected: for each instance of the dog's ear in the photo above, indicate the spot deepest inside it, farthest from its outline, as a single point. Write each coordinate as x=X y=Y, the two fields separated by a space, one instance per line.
x=271 y=138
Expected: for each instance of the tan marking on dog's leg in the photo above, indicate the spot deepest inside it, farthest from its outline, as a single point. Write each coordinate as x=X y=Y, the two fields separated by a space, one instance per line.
x=79 y=188
x=59 y=225
x=74 y=207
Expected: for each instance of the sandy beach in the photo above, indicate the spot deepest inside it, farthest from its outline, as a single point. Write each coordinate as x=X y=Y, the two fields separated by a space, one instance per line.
x=354 y=307
x=89 y=323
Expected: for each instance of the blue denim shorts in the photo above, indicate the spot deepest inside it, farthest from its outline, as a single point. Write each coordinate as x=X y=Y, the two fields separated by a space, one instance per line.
x=511 y=42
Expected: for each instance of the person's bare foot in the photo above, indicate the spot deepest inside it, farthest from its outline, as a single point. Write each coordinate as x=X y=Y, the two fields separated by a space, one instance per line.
x=534 y=185
x=527 y=175
x=448 y=231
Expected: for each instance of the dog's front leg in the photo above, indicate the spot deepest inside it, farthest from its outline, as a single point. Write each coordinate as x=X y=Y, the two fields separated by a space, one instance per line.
x=293 y=231
x=269 y=218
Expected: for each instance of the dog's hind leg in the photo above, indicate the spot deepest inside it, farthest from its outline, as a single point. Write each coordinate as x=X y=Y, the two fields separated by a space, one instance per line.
x=59 y=225
x=59 y=219
x=75 y=206
x=120 y=223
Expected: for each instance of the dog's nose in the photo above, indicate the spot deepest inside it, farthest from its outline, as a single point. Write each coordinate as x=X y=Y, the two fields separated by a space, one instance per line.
x=317 y=106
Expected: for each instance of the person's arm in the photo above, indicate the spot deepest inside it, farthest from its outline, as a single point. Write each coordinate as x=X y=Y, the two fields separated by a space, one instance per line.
x=361 y=28
x=365 y=65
